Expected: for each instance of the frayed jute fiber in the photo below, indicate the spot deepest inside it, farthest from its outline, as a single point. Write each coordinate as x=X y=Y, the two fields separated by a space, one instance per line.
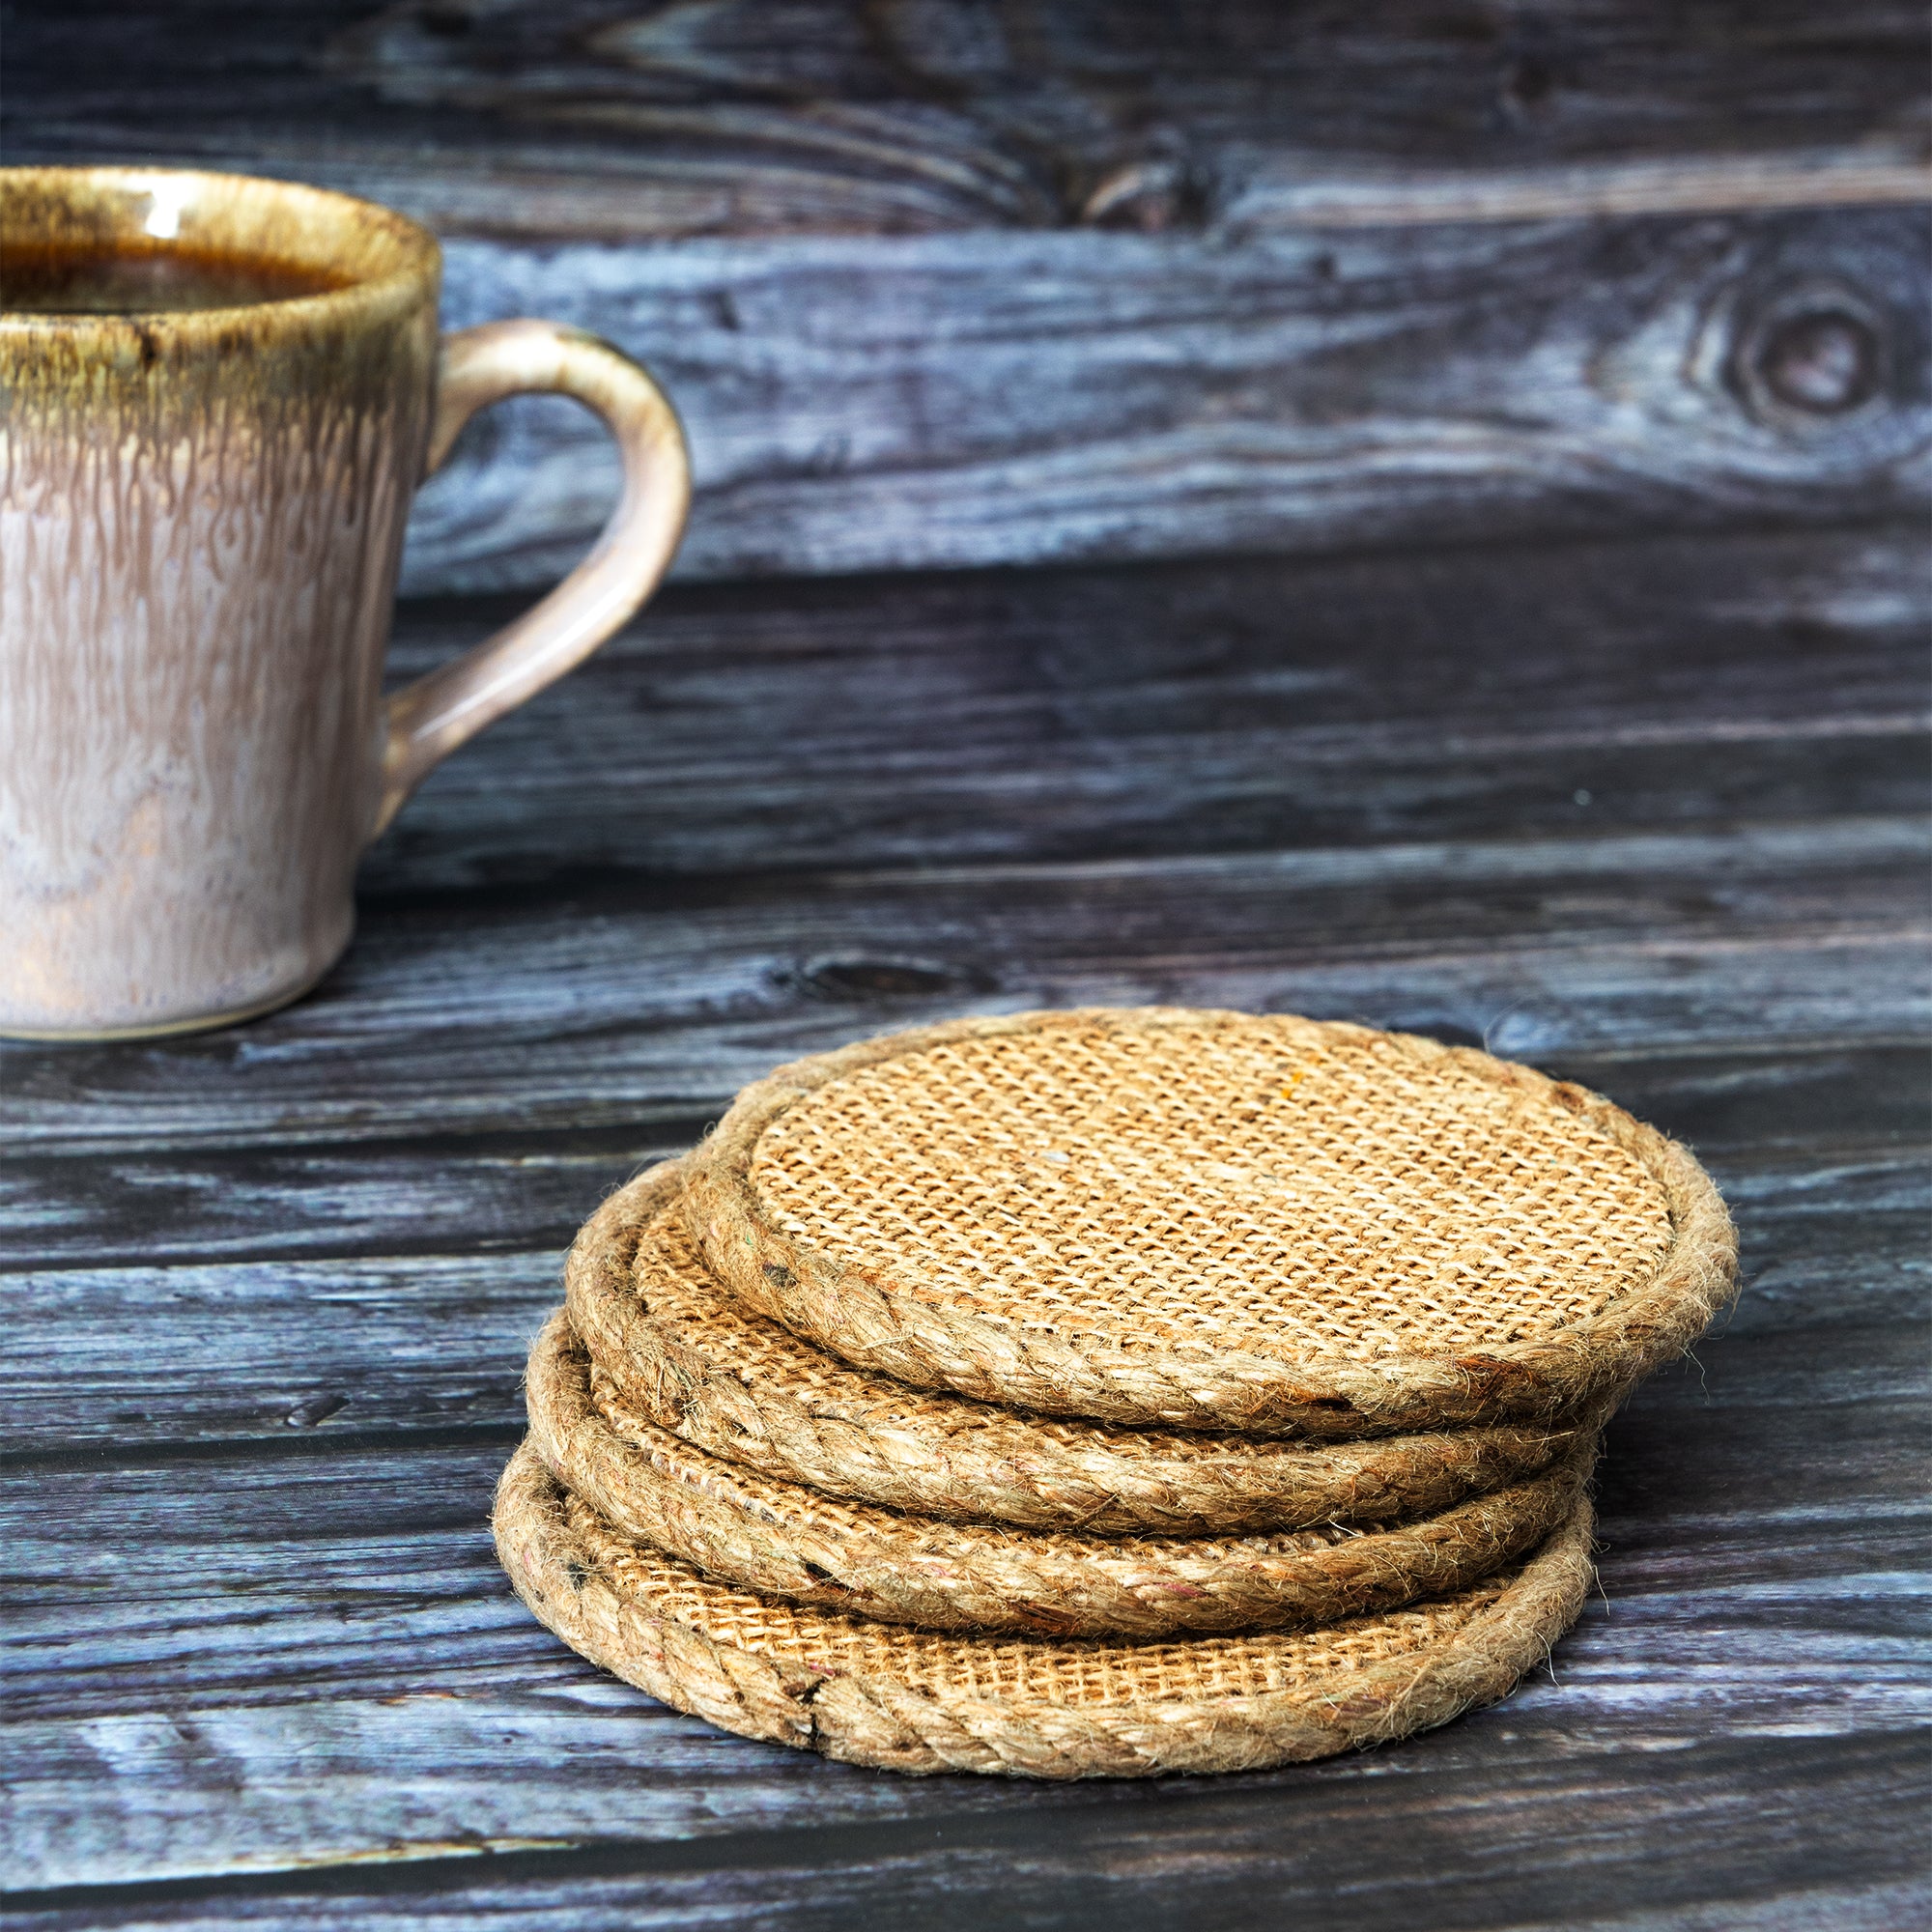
x=689 y=1359
x=876 y=1693
x=1211 y=1220
x=786 y=1540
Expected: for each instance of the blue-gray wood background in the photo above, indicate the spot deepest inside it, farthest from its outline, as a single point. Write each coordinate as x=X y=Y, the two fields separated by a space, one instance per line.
x=1414 y=513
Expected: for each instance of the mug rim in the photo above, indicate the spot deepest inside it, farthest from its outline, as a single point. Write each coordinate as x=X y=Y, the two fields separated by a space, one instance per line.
x=414 y=270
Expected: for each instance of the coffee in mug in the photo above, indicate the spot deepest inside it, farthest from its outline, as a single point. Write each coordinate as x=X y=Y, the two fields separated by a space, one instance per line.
x=217 y=396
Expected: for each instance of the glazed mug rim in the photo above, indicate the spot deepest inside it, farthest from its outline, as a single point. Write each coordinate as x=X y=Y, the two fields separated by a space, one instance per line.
x=383 y=259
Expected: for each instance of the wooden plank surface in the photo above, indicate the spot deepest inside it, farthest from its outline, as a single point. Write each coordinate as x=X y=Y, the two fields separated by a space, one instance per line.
x=752 y=829
x=1217 y=1857
x=613 y=120
x=267 y=1291
x=193 y=1625
x=1551 y=689
x=393 y=1288
x=939 y=286
x=589 y=1011
x=952 y=285
x=889 y=403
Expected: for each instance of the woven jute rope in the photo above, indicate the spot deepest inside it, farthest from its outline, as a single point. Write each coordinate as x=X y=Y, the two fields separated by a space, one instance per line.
x=689 y=1359
x=789 y=1541
x=1213 y=1221
x=879 y=1694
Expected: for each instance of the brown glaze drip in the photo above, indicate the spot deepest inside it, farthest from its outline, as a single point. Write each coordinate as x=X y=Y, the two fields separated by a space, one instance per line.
x=70 y=278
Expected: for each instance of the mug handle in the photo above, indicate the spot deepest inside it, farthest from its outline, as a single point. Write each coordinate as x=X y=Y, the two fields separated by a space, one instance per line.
x=428 y=720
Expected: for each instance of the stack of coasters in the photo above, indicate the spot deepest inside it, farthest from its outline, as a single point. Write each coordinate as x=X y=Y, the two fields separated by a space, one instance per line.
x=1104 y=1393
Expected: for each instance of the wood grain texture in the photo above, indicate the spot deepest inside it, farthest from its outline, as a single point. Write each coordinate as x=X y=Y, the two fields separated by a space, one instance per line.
x=152 y=1575
x=566 y=1008
x=245 y=1641
x=962 y=1869
x=381 y=1289
x=766 y=820
x=866 y=402
x=1099 y=1871
x=1232 y=1863
x=940 y=285
x=1805 y=1124
x=268 y=1292
x=1260 y=703
x=615 y=119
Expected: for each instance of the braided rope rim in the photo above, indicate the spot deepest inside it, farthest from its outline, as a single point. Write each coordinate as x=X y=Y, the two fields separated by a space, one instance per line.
x=953 y=1456
x=863 y=1315
x=788 y=1541
x=871 y=1720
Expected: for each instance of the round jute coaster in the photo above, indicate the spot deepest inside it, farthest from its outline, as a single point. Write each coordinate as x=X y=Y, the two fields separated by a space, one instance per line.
x=690 y=1359
x=789 y=1541
x=1213 y=1220
x=877 y=1693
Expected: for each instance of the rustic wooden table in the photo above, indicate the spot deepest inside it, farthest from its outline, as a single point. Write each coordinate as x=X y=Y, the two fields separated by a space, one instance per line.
x=1642 y=814
x=1471 y=472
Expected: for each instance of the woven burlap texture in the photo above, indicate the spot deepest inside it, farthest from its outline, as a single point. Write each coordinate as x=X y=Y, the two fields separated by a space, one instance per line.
x=1213 y=1220
x=740 y=1386
x=879 y=1694
x=789 y=1541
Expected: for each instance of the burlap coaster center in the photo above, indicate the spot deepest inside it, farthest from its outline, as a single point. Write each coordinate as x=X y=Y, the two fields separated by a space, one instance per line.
x=879 y=1694
x=690 y=1359
x=1213 y=1220
x=790 y=1541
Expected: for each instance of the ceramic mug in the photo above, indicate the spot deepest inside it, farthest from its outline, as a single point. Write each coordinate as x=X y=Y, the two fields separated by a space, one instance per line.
x=217 y=396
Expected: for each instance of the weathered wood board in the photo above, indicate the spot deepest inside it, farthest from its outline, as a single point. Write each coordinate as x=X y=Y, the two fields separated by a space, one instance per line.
x=619 y=120
x=213 y=1599
x=938 y=285
x=866 y=402
x=267 y=1291
x=1570 y=364
x=386 y=1285
x=768 y=827
x=1551 y=689
x=589 y=1013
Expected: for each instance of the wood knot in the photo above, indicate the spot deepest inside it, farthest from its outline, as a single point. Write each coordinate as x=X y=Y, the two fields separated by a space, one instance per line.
x=446 y=20
x=1814 y=355
x=1152 y=195
x=1529 y=89
x=867 y=979
x=316 y=1410
x=1825 y=362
